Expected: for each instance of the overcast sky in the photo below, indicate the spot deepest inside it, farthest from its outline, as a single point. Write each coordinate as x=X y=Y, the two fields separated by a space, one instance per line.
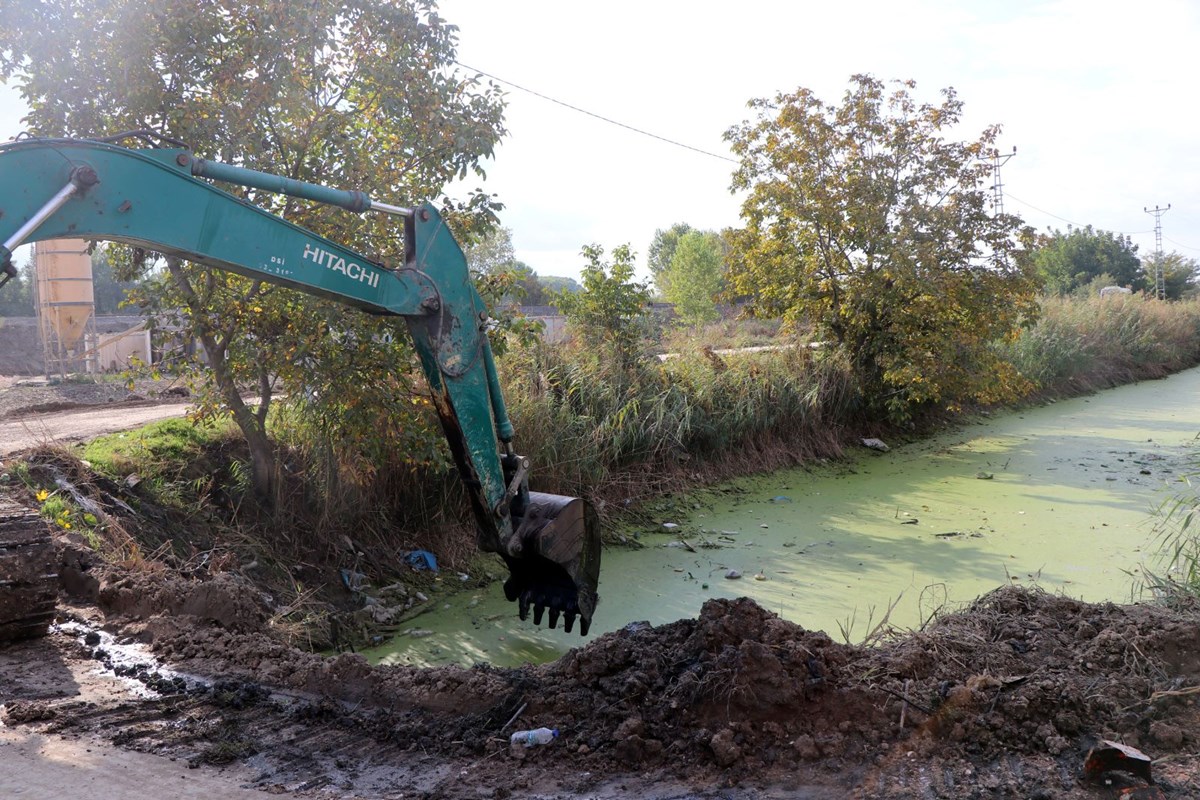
x=1099 y=98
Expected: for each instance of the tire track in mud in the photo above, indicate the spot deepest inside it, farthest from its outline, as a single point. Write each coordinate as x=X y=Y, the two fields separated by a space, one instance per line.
x=1004 y=698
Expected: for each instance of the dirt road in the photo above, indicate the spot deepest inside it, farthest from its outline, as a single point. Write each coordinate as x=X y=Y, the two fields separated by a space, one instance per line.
x=41 y=765
x=80 y=424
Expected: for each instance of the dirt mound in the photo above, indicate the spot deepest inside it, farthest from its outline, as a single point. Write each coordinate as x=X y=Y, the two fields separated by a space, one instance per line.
x=224 y=599
x=1003 y=699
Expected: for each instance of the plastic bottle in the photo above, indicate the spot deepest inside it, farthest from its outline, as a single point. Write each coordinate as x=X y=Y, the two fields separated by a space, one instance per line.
x=534 y=737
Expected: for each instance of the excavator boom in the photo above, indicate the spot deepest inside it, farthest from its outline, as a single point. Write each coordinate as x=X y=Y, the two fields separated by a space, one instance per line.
x=155 y=199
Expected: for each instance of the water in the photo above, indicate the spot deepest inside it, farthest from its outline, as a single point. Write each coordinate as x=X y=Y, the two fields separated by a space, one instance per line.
x=1055 y=496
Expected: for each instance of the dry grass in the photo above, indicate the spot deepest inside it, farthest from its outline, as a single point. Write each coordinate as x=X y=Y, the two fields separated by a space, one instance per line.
x=1082 y=346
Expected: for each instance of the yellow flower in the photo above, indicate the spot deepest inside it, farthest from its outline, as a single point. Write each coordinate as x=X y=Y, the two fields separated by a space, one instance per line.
x=42 y=495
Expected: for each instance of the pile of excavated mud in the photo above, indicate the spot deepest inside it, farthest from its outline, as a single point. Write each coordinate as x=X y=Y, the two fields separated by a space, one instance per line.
x=1003 y=699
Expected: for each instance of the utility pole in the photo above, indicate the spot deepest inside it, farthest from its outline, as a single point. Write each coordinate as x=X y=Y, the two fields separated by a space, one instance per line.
x=1160 y=290
x=999 y=161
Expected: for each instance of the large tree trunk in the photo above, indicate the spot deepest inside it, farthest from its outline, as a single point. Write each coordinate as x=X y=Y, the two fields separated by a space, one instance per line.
x=215 y=341
x=263 y=473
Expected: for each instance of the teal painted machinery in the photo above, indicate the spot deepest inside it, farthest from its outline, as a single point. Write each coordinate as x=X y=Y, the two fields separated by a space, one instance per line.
x=156 y=199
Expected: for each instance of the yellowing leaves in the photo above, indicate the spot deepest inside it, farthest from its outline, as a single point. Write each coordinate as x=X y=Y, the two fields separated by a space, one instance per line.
x=909 y=276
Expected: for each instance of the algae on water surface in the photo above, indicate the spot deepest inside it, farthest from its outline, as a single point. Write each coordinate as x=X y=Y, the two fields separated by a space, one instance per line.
x=1062 y=496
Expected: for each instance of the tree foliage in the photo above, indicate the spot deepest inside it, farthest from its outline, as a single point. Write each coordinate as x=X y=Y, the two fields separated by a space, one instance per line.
x=491 y=252
x=354 y=93
x=109 y=292
x=606 y=312
x=662 y=250
x=558 y=283
x=866 y=221
x=1181 y=275
x=533 y=292
x=696 y=277
x=16 y=298
x=1069 y=261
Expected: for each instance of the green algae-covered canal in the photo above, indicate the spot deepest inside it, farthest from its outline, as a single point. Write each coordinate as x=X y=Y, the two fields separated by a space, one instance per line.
x=1061 y=496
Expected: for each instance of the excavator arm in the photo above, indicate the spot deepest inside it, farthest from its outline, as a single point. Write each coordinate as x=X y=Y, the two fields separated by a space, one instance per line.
x=156 y=199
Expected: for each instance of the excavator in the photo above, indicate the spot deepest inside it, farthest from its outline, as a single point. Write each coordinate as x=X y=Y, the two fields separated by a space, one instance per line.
x=162 y=199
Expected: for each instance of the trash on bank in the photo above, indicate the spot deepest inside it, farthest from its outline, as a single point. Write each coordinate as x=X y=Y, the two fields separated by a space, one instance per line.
x=1109 y=756
x=421 y=559
x=523 y=740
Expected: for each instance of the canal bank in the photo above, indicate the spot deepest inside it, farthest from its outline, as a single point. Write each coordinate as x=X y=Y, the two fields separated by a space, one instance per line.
x=1061 y=496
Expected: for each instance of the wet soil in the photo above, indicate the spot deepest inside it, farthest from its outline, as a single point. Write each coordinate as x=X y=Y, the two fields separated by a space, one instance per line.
x=1002 y=699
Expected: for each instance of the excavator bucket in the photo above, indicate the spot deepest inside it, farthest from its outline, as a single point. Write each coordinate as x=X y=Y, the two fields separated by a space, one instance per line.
x=558 y=568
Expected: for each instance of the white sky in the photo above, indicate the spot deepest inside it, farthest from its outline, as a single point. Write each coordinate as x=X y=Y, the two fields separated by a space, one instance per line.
x=1097 y=96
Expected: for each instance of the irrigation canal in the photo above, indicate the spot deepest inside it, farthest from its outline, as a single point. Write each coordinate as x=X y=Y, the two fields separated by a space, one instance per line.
x=1062 y=496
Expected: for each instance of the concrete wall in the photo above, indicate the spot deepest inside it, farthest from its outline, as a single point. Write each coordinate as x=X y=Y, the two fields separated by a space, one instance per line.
x=117 y=352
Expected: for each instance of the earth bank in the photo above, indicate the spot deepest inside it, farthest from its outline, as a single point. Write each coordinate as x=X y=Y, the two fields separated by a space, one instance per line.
x=1003 y=699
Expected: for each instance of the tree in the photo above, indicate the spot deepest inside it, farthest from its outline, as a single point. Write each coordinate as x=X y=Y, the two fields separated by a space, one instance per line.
x=357 y=93
x=1071 y=260
x=109 y=292
x=492 y=252
x=16 y=298
x=695 y=277
x=606 y=311
x=662 y=250
x=533 y=293
x=556 y=283
x=864 y=220
x=1180 y=274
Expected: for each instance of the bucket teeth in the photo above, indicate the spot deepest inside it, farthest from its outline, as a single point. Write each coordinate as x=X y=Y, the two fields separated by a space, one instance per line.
x=557 y=566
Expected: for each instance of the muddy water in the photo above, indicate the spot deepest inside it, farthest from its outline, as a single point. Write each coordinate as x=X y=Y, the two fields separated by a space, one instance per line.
x=1061 y=496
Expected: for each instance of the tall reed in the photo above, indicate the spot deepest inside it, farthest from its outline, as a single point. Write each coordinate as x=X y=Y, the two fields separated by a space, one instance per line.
x=1079 y=346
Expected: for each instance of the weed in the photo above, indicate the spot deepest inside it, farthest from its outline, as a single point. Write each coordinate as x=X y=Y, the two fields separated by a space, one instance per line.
x=877 y=630
x=1177 y=540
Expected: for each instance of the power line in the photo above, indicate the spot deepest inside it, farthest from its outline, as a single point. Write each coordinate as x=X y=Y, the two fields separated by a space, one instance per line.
x=1012 y=196
x=600 y=117
x=1181 y=244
